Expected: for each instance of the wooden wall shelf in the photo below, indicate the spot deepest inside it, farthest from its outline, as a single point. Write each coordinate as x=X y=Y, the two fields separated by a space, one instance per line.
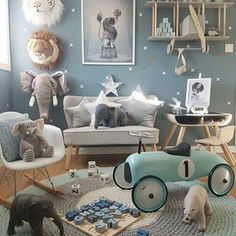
x=175 y=6
x=214 y=5
x=188 y=38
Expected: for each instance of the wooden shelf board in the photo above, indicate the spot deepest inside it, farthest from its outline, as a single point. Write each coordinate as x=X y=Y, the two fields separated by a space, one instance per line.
x=162 y=4
x=188 y=38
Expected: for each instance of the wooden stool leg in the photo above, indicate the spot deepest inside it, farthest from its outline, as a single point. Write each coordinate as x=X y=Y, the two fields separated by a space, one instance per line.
x=68 y=157
x=144 y=147
x=230 y=154
x=181 y=135
x=227 y=155
x=169 y=135
x=208 y=135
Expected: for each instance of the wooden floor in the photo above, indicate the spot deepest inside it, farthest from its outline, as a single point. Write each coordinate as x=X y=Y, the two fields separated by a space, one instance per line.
x=78 y=163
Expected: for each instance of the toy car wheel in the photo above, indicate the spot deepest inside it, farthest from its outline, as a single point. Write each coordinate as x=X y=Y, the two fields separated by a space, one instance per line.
x=221 y=179
x=149 y=194
x=119 y=177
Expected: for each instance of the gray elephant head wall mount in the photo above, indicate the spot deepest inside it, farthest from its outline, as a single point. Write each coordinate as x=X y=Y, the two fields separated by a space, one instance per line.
x=44 y=89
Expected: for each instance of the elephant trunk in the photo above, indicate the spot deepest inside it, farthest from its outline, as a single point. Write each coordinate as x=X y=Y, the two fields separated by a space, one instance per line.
x=43 y=104
x=58 y=222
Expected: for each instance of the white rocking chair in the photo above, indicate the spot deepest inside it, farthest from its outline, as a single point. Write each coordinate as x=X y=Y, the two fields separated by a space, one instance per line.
x=54 y=137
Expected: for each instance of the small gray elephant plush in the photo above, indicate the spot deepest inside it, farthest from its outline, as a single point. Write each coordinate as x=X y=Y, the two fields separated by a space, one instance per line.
x=44 y=88
x=32 y=209
x=109 y=116
x=32 y=144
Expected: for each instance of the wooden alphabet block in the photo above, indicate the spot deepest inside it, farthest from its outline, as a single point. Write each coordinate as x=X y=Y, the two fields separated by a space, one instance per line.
x=71 y=215
x=72 y=173
x=105 y=178
x=117 y=214
x=106 y=218
x=124 y=209
x=165 y=20
x=92 y=218
x=91 y=164
x=79 y=220
x=142 y=232
x=75 y=188
x=112 y=223
x=99 y=214
x=113 y=208
x=100 y=228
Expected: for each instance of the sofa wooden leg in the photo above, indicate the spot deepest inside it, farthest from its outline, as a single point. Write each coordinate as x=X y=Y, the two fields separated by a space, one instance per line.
x=144 y=147
x=77 y=151
x=154 y=147
x=68 y=157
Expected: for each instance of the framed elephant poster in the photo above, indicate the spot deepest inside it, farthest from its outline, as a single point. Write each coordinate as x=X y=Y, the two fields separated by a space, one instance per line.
x=108 y=32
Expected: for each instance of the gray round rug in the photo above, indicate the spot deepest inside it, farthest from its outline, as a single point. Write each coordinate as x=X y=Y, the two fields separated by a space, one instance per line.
x=167 y=221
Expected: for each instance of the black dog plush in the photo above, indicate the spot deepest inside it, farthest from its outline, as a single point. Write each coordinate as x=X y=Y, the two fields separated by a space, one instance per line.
x=32 y=208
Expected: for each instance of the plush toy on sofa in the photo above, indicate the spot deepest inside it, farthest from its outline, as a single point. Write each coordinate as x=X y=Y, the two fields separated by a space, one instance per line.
x=196 y=206
x=109 y=116
x=32 y=145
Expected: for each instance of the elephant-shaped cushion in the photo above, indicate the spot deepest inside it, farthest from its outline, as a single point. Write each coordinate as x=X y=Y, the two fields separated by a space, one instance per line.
x=32 y=144
x=109 y=116
x=32 y=209
x=44 y=88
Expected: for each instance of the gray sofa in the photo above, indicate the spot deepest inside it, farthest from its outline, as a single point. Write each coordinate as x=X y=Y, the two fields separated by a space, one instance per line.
x=88 y=136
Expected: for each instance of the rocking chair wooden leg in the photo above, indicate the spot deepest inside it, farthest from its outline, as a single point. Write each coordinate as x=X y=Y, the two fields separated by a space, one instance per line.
x=5 y=203
x=43 y=187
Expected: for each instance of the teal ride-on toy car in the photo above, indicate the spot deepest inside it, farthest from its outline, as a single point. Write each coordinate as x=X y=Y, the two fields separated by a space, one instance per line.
x=146 y=173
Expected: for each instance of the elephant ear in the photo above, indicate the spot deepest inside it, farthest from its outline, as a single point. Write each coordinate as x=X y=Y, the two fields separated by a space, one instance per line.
x=40 y=125
x=17 y=128
x=61 y=79
x=26 y=79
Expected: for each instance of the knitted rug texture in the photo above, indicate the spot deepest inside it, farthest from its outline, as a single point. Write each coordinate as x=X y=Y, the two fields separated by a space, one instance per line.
x=165 y=222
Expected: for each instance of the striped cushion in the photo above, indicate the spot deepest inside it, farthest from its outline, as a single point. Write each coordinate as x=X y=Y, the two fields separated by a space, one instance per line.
x=10 y=144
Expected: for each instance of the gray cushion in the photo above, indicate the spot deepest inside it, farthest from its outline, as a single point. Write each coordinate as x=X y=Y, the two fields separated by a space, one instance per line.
x=79 y=114
x=10 y=144
x=139 y=112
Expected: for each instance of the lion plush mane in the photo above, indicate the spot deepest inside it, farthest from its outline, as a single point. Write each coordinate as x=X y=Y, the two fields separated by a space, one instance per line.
x=43 y=12
x=44 y=49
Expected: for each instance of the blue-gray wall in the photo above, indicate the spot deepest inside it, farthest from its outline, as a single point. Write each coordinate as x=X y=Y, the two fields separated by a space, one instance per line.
x=148 y=70
x=5 y=91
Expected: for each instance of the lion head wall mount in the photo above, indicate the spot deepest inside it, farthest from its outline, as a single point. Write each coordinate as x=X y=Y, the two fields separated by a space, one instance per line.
x=43 y=12
x=44 y=49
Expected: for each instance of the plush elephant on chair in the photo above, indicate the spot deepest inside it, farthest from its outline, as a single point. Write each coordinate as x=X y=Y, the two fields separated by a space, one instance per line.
x=32 y=209
x=43 y=88
x=32 y=144
x=109 y=116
